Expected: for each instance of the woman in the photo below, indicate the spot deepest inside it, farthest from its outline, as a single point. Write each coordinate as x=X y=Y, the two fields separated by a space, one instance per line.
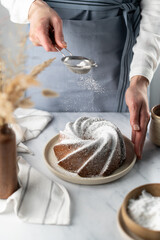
x=105 y=31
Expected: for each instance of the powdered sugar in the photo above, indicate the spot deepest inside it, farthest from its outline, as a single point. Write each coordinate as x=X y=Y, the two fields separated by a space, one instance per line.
x=84 y=63
x=146 y=211
x=89 y=83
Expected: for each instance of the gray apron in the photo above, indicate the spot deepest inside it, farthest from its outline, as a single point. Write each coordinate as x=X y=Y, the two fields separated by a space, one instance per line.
x=104 y=31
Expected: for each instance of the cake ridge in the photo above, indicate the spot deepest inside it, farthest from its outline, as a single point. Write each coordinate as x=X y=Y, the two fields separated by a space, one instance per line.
x=82 y=147
x=98 y=150
x=108 y=162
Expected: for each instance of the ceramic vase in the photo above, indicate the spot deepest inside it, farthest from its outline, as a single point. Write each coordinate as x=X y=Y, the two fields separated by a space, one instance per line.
x=8 y=162
x=154 y=130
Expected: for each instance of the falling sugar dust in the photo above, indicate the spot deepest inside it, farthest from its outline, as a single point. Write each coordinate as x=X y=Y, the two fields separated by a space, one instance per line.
x=86 y=82
x=89 y=83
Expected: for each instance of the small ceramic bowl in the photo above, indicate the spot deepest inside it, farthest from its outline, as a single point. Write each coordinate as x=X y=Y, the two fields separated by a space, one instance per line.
x=140 y=231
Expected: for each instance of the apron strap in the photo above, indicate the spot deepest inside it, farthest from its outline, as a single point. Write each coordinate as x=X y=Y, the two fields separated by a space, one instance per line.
x=128 y=7
x=93 y=5
x=132 y=26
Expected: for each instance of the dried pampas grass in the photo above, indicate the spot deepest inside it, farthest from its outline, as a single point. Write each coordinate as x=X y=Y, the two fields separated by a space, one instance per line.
x=49 y=93
x=38 y=69
x=14 y=83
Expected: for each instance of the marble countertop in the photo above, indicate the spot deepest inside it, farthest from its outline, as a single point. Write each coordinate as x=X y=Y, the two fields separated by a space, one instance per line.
x=93 y=208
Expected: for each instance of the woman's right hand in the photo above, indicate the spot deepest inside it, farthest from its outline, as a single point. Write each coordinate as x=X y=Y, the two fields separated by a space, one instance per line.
x=46 y=28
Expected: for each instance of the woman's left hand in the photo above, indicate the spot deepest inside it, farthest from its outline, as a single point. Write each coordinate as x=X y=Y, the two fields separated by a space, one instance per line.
x=137 y=102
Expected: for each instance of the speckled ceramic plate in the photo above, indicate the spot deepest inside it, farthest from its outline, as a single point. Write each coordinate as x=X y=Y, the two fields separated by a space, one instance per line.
x=51 y=161
x=126 y=234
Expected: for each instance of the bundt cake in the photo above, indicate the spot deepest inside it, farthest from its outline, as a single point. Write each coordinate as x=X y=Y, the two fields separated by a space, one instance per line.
x=90 y=147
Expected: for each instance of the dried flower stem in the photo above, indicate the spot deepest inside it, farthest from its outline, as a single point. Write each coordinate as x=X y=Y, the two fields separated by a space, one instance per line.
x=36 y=70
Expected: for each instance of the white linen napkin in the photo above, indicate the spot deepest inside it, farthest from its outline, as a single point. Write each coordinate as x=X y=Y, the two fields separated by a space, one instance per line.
x=38 y=200
x=30 y=123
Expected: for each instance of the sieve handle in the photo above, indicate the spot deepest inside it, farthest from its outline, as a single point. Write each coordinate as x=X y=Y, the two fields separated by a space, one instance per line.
x=69 y=52
x=60 y=51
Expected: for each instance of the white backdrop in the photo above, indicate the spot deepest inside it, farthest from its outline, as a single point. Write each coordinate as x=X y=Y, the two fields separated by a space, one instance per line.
x=6 y=25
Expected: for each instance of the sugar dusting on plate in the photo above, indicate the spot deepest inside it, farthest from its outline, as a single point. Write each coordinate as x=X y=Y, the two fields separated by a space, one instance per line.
x=145 y=211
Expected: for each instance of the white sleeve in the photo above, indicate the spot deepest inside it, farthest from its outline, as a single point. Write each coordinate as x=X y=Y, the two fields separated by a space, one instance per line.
x=18 y=9
x=147 y=48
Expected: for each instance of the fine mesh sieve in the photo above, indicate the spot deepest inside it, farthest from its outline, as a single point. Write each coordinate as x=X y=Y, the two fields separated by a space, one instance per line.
x=77 y=64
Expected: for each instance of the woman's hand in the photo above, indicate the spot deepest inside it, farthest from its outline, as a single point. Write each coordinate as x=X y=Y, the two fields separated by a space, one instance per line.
x=45 y=27
x=137 y=101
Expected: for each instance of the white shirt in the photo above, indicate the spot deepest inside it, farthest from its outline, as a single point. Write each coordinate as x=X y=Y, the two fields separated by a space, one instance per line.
x=147 y=48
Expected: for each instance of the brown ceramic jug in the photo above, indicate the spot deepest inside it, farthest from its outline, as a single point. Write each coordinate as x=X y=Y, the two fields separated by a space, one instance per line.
x=154 y=130
x=8 y=162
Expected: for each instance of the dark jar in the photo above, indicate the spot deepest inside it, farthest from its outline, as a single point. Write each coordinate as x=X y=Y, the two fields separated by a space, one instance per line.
x=8 y=162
